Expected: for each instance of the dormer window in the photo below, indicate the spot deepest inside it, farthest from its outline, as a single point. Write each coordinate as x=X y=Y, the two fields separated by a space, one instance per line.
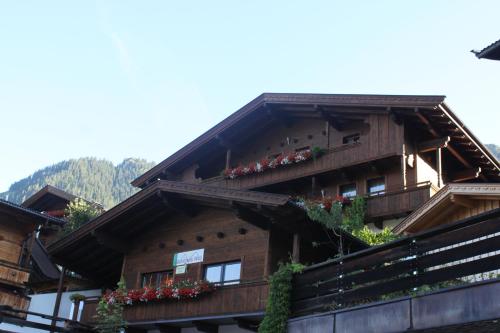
x=350 y=139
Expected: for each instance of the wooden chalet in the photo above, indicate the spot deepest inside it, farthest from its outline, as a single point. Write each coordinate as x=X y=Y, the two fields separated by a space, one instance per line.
x=454 y=202
x=231 y=195
x=18 y=228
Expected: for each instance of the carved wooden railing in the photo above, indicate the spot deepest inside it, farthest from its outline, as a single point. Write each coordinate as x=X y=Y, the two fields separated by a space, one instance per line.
x=449 y=255
x=399 y=200
x=13 y=274
x=240 y=298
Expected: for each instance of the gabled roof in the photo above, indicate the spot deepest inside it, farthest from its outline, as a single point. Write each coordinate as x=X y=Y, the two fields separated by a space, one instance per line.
x=248 y=117
x=30 y=213
x=105 y=236
x=48 y=194
x=444 y=199
x=491 y=51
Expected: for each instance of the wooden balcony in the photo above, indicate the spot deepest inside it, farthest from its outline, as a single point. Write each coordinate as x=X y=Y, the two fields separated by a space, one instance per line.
x=334 y=158
x=400 y=201
x=13 y=275
x=15 y=301
x=242 y=298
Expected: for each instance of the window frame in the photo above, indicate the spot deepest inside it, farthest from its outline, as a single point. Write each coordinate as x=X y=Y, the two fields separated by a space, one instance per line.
x=157 y=284
x=356 y=136
x=381 y=192
x=346 y=184
x=223 y=271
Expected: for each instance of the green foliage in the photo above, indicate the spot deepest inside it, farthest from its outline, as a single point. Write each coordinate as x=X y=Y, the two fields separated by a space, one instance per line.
x=349 y=218
x=78 y=212
x=354 y=215
x=109 y=316
x=332 y=219
x=76 y=297
x=375 y=238
x=279 y=300
x=93 y=179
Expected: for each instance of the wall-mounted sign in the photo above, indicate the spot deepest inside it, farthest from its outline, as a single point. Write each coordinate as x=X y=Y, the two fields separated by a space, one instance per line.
x=189 y=257
x=180 y=269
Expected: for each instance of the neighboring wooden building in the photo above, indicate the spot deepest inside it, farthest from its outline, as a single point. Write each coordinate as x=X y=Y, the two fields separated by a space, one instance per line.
x=454 y=202
x=397 y=151
x=491 y=51
x=18 y=228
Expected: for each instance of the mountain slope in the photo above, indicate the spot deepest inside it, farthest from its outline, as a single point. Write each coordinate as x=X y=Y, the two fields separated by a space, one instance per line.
x=93 y=179
x=495 y=149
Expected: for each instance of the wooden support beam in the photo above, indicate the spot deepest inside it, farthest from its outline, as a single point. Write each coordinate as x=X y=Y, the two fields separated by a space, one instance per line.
x=163 y=328
x=206 y=327
x=435 y=133
x=434 y=144
x=117 y=244
x=462 y=201
x=403 y=167
x=439 y=167
x=465 y=174
x=296 y=248
x=228 y=158
x=247 y=324
x=332 y=121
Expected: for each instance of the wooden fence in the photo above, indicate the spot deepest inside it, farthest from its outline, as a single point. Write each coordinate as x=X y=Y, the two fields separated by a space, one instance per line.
x=444 y=256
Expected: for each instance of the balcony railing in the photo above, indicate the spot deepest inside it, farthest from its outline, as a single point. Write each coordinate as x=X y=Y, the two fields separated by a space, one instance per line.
x=450 y=255
x=334 y=158
x=399 y=201
x=12 y=274
x=240 y=298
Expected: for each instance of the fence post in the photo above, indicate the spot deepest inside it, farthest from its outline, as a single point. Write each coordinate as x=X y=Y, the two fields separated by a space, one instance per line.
x=414 y=263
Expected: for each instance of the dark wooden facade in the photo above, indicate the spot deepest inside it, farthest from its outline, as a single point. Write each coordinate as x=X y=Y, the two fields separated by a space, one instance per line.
x=18 y=226
x=412 y=145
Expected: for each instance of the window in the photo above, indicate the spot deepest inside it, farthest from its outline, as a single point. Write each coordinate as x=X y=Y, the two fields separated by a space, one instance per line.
x=223 y=274
x=156 y=279
x=376 y=186
x=350 y=139
x=348 y=190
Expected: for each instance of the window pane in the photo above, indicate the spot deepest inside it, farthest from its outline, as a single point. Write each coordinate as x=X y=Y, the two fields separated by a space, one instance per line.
x=213 y=273
x=232 y=271
x=376 y=185
x=350 y=139
x=348 y=190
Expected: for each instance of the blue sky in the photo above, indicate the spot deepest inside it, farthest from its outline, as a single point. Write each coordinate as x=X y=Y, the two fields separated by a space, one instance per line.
x=116 y=79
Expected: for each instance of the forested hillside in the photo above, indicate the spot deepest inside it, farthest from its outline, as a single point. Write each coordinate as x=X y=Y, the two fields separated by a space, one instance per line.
x=93 y=179
x=495 y=150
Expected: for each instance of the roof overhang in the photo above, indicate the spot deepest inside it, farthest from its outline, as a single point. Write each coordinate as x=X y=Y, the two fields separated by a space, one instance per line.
x=269 y=106
x=446 y=200
x=491 y=51
x=28 y=215
x=96 y=249
x=48 y=195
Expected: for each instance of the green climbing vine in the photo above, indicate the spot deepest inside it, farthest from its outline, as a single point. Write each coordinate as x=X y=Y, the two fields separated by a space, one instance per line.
x=110 y=312
x=342 y=214
x=279 y=300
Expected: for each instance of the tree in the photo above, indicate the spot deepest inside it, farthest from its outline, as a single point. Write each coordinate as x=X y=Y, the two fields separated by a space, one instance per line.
x=77 y=213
